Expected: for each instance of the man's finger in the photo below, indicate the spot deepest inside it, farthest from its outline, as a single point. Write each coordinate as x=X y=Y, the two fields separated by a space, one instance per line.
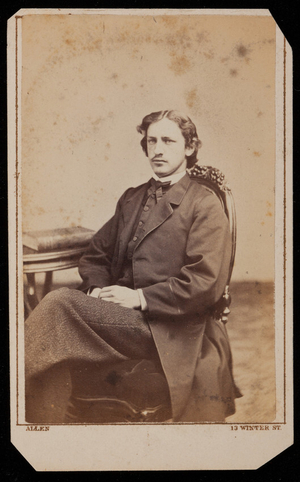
x=109 y=288
x=106 y=295
x=113 y=300
x=110 y=300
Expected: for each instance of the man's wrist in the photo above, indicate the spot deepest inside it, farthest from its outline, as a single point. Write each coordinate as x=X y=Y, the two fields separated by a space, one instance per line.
x=143 y=301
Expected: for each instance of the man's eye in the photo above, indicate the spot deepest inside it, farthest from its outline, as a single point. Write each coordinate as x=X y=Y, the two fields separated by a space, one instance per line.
x=168 y=141
x=151 y=141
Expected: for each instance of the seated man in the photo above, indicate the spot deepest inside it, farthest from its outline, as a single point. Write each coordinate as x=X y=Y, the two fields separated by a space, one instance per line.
x=151 y=278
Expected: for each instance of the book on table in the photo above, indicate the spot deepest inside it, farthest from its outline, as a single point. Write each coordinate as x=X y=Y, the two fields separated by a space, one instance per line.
x=59 y=238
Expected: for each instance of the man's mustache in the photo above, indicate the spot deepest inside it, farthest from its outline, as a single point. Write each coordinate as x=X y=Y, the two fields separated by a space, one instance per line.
x=157 y=158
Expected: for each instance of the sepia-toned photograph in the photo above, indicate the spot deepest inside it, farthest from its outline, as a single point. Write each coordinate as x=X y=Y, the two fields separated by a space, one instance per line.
x=148 y=170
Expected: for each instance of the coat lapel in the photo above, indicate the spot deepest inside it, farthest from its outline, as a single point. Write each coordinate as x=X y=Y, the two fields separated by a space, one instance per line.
x=158 y=215
x=163 y=209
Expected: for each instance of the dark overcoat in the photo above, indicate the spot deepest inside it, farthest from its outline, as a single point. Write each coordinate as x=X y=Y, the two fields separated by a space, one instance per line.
x=181 y=262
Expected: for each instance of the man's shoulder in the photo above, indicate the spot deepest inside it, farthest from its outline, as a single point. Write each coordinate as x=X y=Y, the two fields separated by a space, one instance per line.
x=200 y=190
x=132 y=191
x=202 y=196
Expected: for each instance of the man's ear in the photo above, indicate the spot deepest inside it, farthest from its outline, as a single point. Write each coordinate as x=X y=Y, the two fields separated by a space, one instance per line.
x=189 y=151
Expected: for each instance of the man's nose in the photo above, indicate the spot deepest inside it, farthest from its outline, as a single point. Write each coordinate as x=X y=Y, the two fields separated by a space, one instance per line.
x=158 y=148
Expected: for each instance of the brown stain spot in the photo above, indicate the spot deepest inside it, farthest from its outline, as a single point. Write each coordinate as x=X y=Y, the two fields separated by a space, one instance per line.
x=233 y=72
x=201 y=36
x=256 y=153
x=259 y=114
x=269 y=211
x=180 y=64
x=242 y=51
x=135 y=53
x=72 y=140
x=114 y=76
x=169 y=20
x=191 y=97
x=77 y=44
x=97 y=121
x=262 y=223
x=96 y=45
x=208 y=55
x=123 y=37
x=107 y=145
x=106 y=158
x=124 y=86
x=170 y=40
x=137 y=24
x=224 y=59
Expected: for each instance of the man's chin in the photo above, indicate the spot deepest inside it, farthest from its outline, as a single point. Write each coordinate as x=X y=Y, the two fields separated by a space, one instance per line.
x=161 y=174
x=160 y=171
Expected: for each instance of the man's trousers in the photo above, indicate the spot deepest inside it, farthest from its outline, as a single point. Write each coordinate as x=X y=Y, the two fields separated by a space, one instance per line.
x=69 y=328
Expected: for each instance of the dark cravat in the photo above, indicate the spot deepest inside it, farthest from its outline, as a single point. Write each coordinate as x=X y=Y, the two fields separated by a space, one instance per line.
x=159 y=188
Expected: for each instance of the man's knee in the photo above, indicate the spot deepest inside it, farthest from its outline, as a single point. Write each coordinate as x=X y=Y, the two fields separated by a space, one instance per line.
x=60 y=298
x=53 y=310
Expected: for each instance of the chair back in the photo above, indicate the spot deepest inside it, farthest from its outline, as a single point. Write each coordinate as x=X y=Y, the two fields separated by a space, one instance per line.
x=215 y=180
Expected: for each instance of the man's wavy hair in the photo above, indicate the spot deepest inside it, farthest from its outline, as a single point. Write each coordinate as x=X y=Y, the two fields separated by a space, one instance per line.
x=184 y=123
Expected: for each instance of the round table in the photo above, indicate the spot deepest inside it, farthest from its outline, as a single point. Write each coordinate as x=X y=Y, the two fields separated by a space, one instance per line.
x=47 y=262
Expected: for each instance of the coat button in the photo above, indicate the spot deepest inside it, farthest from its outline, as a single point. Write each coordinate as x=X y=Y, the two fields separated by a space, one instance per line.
x=134 y=238
x=146 y=208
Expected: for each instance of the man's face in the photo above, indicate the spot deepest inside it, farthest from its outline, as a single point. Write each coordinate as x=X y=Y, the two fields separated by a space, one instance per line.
x=166 y=148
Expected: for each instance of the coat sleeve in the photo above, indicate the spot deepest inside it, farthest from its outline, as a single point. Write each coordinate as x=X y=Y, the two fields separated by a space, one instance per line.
x=202 y=279
x=95 y=265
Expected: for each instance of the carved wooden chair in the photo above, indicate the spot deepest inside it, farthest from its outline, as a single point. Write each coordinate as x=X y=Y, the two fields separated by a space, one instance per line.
x=137 y=390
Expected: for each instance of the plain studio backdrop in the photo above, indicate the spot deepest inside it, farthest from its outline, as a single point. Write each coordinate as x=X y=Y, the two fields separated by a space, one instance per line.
x=87 y=82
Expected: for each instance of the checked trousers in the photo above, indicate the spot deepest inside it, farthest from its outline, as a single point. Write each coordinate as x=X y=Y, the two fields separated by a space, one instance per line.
x=68 y=329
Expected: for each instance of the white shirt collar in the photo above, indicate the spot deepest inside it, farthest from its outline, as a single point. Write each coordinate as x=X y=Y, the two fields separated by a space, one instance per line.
x=173 y=177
